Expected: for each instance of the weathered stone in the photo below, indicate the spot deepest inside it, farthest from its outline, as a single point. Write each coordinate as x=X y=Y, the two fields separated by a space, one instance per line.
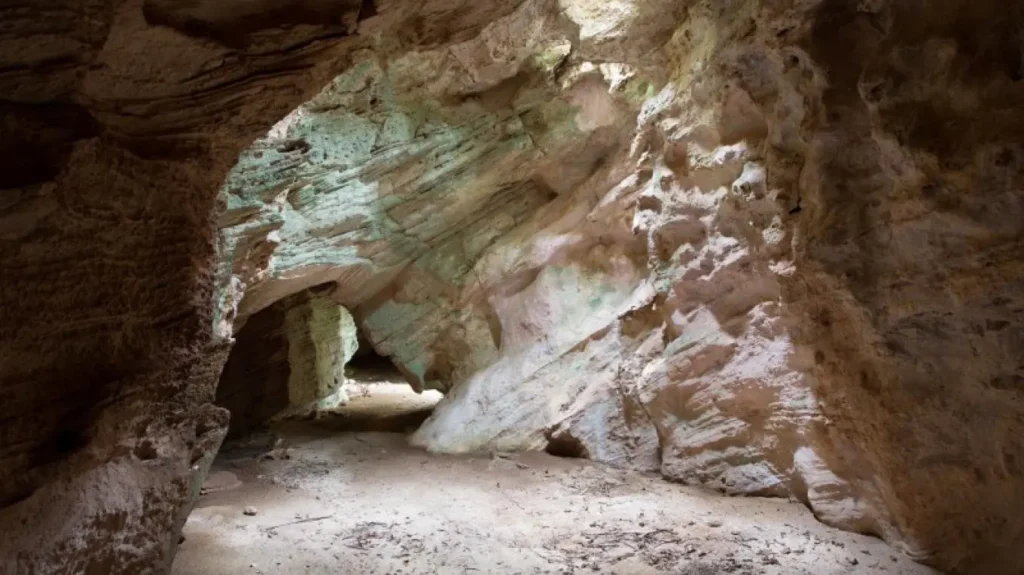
x=121 y=120
x=665 y=309
x=321 y=340
x=768 y=247
x=288 y=360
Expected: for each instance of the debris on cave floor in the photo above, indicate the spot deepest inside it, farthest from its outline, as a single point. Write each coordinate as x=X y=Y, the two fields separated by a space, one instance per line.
x=368 y=503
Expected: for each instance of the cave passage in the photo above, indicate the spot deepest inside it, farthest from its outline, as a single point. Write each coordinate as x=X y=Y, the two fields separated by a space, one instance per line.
x=342 y=490
x=379 y=397
x=257 y=385
x=339 y=488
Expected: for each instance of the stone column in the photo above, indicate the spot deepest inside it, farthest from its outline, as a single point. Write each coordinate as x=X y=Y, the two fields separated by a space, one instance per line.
x=321 y=340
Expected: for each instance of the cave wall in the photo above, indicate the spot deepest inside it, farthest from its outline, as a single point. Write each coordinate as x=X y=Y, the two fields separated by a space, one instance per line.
x=254 y=384
x=766 y=247
x=123 y=119
x=108 y=364
x=910 y=278
x=770 y=247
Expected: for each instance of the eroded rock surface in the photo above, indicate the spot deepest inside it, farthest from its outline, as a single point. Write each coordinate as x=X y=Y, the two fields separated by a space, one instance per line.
x=321 y=339
x=288 y=361
x=705 y=267
x=768 y=247
x=120 y=121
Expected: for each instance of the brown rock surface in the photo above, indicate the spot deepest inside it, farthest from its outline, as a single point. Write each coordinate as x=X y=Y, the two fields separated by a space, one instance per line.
x=910 y=264
x=771 y=247
x=120 y=120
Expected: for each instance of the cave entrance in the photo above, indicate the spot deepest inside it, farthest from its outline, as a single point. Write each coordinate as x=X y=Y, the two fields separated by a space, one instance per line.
x=379 y=397
x=301 y=380
x=304 y=362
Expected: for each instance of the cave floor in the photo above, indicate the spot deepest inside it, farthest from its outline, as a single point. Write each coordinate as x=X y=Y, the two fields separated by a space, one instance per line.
x=368 y=503
x=377 y=406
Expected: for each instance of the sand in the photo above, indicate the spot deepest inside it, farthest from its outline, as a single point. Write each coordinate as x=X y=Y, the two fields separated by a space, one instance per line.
x=340 y=502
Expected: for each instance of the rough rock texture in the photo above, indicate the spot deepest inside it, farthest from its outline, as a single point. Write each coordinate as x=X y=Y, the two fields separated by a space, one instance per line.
x=254 y=383
x=767 y=246
x=121 y=120
x=747 y=247
x=288 y=360
x=910 y=264
x=321 y=340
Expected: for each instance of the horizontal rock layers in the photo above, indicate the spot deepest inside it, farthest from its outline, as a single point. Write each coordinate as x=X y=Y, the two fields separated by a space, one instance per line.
x=689 y=275
x=768 y=247
x=121 y=120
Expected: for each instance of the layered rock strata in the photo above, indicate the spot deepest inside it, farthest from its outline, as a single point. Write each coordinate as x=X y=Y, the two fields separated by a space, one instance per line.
x=700 y=276
x=121 y=120
x=769 y=247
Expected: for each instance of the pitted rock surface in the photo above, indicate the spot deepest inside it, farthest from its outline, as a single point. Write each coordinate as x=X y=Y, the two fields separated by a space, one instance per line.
x=771 y=248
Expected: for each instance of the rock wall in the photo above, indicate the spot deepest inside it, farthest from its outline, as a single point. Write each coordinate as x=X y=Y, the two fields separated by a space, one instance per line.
x=909 y=285
x=254 y=384
x=121 y=120
x=753 y=251
x=764 y=246
x=321 y=340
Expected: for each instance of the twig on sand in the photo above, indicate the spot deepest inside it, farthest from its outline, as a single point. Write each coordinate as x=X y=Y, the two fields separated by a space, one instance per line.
x=309 y=520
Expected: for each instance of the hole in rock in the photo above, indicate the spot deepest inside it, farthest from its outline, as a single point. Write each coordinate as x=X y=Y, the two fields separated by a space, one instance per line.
x=288 y=368
x=565 y=445
x=379 y=397
x=301 y=378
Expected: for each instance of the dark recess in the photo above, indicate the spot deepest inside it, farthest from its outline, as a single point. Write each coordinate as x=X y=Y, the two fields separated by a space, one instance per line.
x=564 y=444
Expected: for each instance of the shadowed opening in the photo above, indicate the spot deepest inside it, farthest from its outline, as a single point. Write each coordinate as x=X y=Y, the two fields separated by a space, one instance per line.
x=279 y=351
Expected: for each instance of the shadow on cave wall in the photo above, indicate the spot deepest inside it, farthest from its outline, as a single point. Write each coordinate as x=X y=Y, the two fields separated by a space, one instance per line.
x=931 y=332
x=254 y=383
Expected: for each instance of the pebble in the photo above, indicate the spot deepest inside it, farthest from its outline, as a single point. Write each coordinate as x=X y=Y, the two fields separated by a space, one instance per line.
x=249 y=511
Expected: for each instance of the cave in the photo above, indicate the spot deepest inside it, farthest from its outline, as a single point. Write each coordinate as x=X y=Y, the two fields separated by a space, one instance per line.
x=279 y=354
x=551 y=286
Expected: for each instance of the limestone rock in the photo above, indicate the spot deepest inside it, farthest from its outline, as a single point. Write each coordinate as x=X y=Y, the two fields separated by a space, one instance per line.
x=695 y=295
x=767 y=247
x=321 y=340
x=121 y=120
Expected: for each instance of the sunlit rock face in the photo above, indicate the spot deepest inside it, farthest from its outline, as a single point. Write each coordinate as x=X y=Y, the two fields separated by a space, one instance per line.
x=767 y=247
x=288 y=361
x=403 y=172
x=575 y=249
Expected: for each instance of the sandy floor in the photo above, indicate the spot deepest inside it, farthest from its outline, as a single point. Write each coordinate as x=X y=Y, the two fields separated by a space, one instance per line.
x=367 y=503
x=381 y=407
